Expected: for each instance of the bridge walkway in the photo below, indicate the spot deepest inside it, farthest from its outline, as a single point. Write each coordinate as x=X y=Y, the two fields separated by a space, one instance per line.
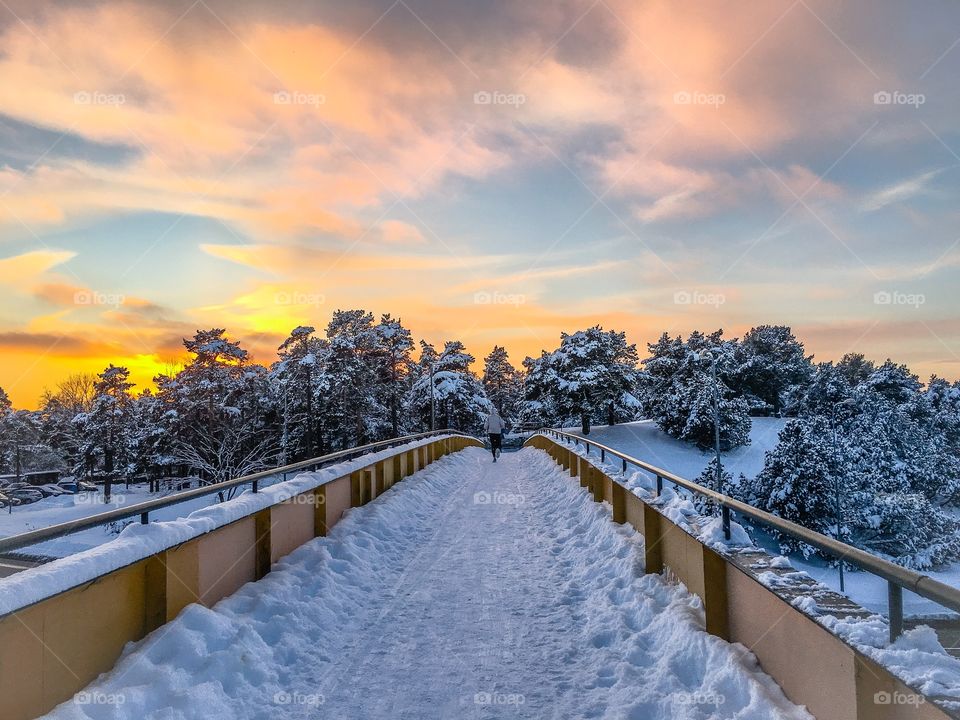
x=471 y=590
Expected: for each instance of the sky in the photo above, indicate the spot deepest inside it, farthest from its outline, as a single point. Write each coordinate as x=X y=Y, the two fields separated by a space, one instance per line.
x=494 y=172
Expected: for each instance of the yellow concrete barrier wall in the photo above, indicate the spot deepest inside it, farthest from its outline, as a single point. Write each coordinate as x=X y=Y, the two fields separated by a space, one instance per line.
x=291 y=525
x=53 y=649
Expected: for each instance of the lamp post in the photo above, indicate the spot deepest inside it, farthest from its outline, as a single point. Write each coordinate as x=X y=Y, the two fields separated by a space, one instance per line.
x=708 y=355
x=433 y=403
x=836 y=480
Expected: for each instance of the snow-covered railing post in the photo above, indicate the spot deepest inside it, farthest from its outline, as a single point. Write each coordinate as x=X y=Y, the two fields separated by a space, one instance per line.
x=895 y=609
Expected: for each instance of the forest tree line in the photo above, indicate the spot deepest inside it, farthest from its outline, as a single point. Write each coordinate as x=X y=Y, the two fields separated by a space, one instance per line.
x=892 y=441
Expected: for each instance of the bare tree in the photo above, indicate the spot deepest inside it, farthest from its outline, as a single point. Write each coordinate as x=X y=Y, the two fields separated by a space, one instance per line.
x=226 y=452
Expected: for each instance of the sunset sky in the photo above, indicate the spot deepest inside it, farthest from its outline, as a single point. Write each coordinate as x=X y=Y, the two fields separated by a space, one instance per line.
x=495 y=172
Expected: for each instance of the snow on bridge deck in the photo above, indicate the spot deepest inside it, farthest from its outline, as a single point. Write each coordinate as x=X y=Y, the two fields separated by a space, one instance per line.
x=471 y=590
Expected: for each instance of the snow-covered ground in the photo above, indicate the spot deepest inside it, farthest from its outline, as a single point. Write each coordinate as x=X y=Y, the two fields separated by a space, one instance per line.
x=54 y=510
x=472 y=589
x=645 y=441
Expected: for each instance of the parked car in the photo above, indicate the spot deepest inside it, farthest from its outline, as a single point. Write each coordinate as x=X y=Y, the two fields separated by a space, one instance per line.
x=51 y=490
x=6 y=500
x=25 y=495
x=18 y=485
x=87 y=486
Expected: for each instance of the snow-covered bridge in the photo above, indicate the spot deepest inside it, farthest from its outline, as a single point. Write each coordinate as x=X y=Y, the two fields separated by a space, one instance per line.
x=473 y=589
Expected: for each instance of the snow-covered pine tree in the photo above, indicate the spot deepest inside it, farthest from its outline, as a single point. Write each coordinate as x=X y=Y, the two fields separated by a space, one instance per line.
x=708 y=479
x=539 y=404
x=396 y=346
x=218 y=411
x=594 y=369
x=502 y=383
x=828 y=387
x=679 y=388
x=943 y=402
x=855 y=368
x=798 y=480
x=294 y=378
x=106 y=428
x=458 y=394
x=769 y=368
x=887 y=463
x=353 y=410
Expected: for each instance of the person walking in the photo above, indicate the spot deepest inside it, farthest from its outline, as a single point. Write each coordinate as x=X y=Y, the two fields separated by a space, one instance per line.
x=493 y=426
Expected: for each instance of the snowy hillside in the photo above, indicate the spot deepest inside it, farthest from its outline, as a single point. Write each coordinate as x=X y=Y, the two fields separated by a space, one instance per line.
x=644 y=441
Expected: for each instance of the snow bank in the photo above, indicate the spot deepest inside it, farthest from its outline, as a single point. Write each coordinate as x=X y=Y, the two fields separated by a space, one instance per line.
x=137 y=541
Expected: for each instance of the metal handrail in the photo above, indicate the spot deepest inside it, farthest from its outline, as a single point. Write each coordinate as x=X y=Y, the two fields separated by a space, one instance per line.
x=897 y=576
x=143 y=509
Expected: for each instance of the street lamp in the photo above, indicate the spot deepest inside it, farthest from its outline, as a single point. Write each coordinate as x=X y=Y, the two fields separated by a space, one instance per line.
x=704 y=356
x=433 y=402
x=836 y=481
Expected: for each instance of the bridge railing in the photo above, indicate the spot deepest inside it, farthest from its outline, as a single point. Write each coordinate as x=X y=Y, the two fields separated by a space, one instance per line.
x=66 y=622
x=143 y=509
x=898 y=577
